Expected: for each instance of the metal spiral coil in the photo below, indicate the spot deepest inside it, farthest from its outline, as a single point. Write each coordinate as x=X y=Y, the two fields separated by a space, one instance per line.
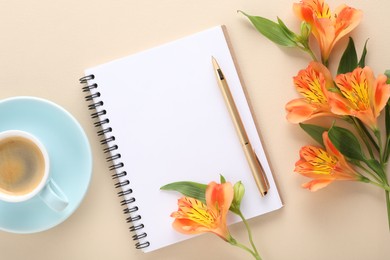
x=108 y=139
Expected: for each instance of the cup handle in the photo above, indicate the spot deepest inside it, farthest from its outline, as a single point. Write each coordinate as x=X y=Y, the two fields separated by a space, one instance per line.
x=53 y=196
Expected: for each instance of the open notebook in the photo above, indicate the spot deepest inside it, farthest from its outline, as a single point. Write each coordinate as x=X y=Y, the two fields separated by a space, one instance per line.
x=163 y=119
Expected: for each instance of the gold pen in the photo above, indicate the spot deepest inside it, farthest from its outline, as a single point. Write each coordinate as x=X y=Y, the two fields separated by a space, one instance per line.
x=253 y=161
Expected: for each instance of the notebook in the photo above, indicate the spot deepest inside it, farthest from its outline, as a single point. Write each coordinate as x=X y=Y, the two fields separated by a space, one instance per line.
x=163 y=119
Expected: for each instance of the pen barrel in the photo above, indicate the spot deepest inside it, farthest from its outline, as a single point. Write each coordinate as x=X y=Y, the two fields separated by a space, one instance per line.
x=257 y=169
x=231 y=105
x=254 y=163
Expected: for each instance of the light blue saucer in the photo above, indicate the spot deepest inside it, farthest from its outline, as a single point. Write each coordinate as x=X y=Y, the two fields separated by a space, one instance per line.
x=70 y=161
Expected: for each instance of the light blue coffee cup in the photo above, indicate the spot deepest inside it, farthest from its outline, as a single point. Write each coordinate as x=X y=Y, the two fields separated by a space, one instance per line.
x=46 y=188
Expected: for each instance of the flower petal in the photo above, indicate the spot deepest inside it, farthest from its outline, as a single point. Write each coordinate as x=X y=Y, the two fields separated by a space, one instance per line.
x=317 y=184
x=362 y=96
x=381 y=95
x=347 y=19
x=219 y=197
x=195 y=211
x=298 y=110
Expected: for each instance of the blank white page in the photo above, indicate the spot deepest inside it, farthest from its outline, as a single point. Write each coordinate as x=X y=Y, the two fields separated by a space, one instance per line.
x=171 y=124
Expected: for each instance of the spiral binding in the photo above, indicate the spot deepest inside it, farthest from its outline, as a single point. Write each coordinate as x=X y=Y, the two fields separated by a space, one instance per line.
x=106 y=133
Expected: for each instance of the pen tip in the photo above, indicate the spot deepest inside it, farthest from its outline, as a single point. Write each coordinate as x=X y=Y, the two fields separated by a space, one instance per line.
x=214 y=61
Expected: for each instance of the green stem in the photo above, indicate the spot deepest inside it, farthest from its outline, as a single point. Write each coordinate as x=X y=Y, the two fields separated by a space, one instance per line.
x=249 y=231
x=367 y=133
x=386 y=187
x=325 y=62
x=387 y=194
x=378 y=179
x=309 y=51
x=378 y=137
x=380 y=185
x=254 y=254
x=363 y=135
x=386 y=150
x=388 y=207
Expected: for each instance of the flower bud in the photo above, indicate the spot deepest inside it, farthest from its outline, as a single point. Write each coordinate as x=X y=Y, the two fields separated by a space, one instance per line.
x=239 y=191
x=305 y=31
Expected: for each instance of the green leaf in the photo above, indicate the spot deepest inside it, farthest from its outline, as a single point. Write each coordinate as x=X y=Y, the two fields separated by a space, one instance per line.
x=334 y=90
x=189 y=189
x=273 y=31
x=387 y=124
x=314 y=131
x=387 y=73
x=287 y=31
x=346 y=142
x=376 y=167
x=348 y=61
x=222 y=178
x=362 y=61
x=387 y=119
x=387 y=149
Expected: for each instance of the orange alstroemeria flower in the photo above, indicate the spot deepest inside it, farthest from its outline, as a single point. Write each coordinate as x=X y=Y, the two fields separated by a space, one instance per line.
x=324 y=166
x=194 y=217
x=328 y=29
x=313 y=84
x=363 y=96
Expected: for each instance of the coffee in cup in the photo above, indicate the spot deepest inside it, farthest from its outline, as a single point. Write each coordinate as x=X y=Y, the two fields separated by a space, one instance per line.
x=25 y=171
x=22 y=166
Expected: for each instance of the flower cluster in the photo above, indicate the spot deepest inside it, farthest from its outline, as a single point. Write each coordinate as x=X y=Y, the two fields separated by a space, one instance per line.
x=360 y=151
x=359 y=94
x=355 y=95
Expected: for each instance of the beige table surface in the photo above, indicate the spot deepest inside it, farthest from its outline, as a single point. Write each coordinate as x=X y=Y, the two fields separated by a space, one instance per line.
x=45 y=47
